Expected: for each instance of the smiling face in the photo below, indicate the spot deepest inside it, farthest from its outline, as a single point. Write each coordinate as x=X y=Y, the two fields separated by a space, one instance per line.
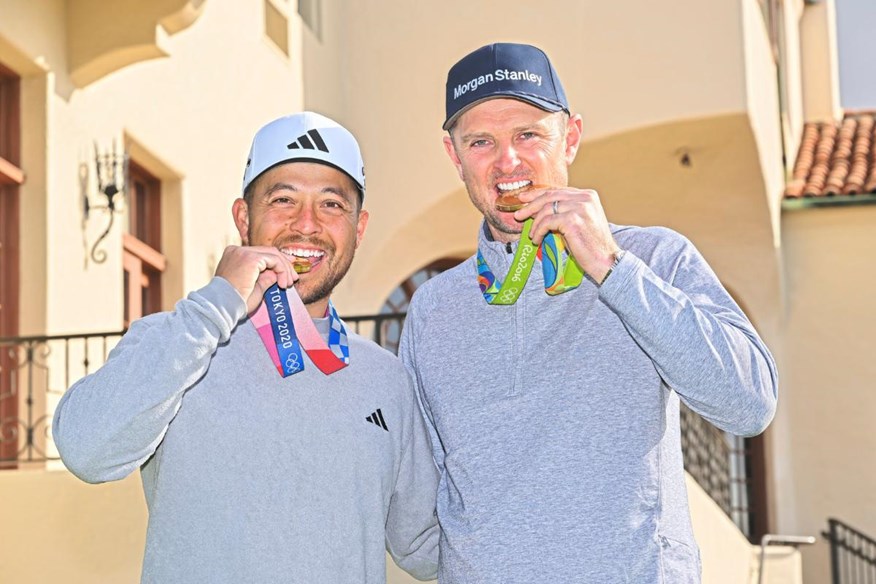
x=306 y=210
x=503 y=144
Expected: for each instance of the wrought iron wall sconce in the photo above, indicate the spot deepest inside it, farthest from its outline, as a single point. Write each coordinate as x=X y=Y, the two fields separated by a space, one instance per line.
x=111 y=174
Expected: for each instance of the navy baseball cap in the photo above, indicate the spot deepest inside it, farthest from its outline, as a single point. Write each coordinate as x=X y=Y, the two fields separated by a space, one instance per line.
x=508 y=70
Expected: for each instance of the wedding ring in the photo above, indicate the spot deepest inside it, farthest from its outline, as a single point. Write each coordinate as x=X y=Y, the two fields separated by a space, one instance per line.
x=556 y=203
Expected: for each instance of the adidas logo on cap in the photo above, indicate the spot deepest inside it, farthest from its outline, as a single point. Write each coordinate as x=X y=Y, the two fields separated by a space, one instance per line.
x=305 y=137
x=309 y=141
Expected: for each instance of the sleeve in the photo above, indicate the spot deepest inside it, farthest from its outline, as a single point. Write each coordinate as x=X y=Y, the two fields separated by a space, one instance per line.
x=411 y=524
x=110 y=422
x=407 y=353
x=701 y=343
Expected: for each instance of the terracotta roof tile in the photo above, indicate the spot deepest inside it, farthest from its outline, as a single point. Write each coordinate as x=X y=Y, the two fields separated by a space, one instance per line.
x=836 y=158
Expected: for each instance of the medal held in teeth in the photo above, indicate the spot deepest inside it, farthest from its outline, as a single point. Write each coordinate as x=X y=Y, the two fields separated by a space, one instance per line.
x=288 y=332
x=303 y=259
x=510 y=201
x=301 y=266
x=560 y=270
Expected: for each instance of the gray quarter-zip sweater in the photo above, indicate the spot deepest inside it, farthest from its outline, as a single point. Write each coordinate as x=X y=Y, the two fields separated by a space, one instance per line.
x=249 y=476
x=555 y=421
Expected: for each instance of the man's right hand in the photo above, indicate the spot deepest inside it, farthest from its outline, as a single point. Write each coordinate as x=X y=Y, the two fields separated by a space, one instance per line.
x=252 y=270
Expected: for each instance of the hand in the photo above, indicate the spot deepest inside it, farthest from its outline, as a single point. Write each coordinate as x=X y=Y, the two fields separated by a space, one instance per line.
x=579 y=218
x=252 y=270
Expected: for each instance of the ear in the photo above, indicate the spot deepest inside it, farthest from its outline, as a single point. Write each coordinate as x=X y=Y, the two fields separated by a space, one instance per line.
x=360 y=226
x=451 y=152
x=574 y=130
x=240 y=213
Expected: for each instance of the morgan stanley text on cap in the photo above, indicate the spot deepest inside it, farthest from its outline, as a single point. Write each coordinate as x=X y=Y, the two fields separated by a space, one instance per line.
x=305 y=137
x=503 y=70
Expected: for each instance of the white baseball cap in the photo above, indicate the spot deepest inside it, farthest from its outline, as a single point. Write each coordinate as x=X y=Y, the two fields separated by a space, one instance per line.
x=305 y=137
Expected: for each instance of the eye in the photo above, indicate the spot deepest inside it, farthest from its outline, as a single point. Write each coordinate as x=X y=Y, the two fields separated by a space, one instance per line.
x=281 y=200
x=479 y=143
x=528 y=135
x=335 y=205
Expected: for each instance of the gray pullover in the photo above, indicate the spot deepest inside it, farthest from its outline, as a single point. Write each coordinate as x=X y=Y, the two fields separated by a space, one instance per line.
x=250 y=477
x=555 y=421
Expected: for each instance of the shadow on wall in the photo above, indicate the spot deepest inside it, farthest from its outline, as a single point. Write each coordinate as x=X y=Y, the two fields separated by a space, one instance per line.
x=447 y=228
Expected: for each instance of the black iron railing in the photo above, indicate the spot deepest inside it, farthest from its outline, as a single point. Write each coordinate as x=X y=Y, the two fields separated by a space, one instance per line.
x=729 y=468
x=35 y=371
x=852 y=554
x=383 y=329
x=706 y=457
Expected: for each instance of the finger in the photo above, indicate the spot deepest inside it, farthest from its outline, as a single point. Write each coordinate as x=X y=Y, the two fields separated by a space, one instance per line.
x=265 y=280
x=288 y=279
x=540 y=211
x=282 y=266
x=533 y=193
x=542 y=223
x=273 y=258
x=535 y=199
x=291 y=275
x=563 y=215
x=531 y=208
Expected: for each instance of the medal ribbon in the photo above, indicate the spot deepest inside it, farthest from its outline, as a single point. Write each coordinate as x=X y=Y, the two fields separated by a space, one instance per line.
x=285 y=328
x=561 y=271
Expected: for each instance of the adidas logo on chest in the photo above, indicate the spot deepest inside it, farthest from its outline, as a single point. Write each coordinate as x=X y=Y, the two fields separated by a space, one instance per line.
x=377 y=419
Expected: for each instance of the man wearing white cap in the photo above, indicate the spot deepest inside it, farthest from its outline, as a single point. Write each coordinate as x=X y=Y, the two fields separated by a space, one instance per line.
x=274 y=446
x=553 y=398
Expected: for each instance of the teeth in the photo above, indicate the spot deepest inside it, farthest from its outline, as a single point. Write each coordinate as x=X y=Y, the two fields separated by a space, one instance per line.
x=303 y=253
x=513 y=186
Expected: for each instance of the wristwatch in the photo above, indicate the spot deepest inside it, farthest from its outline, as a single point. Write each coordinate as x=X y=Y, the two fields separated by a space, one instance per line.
x=617 y=258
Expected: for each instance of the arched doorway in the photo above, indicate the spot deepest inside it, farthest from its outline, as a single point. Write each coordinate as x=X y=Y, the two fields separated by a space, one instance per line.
x=396 y=304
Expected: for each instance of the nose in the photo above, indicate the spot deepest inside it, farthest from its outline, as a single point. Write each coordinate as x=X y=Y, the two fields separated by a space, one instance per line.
x=306 y=221
x=507 y=160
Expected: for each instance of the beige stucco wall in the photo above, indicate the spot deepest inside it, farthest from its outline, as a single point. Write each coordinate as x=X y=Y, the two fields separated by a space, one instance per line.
x=791 y=73
x=419 y=211
x=718 y=200
x=828 y=376
x=188 y=118
x=820 y=69
x=762 y=98
x=624 y=69
x=652 y=83
x=725 y=553
x=56 y=528
x=102 y=37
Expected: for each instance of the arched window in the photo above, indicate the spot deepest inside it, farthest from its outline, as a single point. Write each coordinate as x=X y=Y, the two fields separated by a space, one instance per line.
x=399 y=299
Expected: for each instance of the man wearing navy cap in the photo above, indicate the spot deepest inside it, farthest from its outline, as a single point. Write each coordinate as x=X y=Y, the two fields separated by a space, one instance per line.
x=550 y=365
x=273 y=445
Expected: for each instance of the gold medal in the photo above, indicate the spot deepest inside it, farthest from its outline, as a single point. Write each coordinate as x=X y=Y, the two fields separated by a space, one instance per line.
x=301 y=266
x=510 y=202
